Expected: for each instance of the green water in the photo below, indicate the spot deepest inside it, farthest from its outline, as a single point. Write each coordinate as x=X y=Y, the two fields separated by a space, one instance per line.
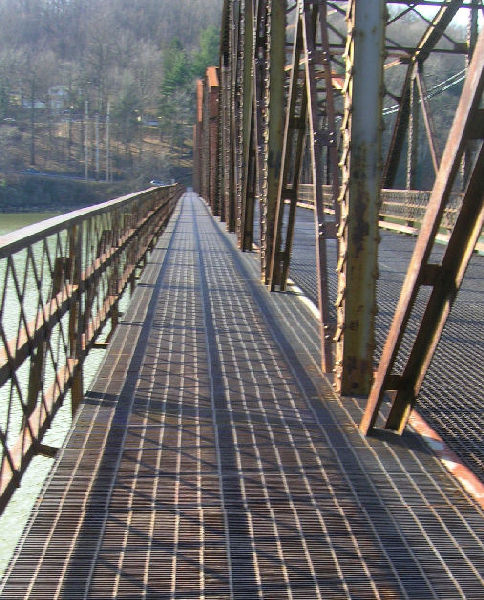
x=12 y=221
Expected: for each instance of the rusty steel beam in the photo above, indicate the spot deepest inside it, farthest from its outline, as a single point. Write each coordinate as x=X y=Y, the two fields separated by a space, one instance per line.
x=303 y=119
x=211 y=97
x=428 y=121
x=360 y=196
x=197 y=139
x=413 y=134
x=318 y=137
x=294 y=135
x=444 y=278
x=276 y=38
x=225 y=153
x=247 y=109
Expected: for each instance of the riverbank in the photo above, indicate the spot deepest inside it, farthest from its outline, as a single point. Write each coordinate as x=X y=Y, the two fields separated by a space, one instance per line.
x=42 y=192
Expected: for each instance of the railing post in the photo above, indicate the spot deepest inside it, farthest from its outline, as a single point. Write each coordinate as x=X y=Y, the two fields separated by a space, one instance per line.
x=76 y=317
x=61 y=271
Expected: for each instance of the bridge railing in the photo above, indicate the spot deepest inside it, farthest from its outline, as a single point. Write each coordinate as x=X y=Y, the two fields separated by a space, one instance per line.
x=60 y=284
x=405 y=208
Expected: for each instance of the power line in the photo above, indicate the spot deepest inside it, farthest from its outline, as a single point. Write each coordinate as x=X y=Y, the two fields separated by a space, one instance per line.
x=433 y=91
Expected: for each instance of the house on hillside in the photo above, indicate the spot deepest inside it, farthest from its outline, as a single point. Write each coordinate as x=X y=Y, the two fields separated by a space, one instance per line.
x=36 y=104
x=58 y=98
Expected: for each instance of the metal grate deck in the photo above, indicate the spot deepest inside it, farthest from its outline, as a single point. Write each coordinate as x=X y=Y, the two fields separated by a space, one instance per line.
x=451 y=399
x=212 y=460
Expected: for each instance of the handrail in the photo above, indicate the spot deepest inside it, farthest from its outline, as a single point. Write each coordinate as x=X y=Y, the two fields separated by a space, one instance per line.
x=400 y=205
x=400 y=210
x=60 y=283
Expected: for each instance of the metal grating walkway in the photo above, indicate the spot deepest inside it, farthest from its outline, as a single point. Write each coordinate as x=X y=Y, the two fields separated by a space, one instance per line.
x=451 y=399
x=211 y=460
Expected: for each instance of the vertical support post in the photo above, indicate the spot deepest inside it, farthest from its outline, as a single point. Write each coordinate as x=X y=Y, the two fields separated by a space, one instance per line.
x=360 y=197
x=97 y=146
x=76 y=317
x=197 y=142
x=247 y=94
x=222 y=133
x=231 y=193
x=225 y=146
x=86 y=141
x=107 y=158
x=212 y=101
x=413 y=134
x=276 y=105
x=472 y=35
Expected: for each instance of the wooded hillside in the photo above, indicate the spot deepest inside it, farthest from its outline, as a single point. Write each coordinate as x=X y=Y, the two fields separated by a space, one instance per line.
x=77 y=76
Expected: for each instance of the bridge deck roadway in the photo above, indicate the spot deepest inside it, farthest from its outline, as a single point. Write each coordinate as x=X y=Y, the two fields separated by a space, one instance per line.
x=212 y=460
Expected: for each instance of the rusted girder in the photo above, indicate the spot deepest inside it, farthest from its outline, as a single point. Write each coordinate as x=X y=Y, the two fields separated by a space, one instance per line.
x=360 y=197
x=444 y=278
x=309 y=66
x=246 y=219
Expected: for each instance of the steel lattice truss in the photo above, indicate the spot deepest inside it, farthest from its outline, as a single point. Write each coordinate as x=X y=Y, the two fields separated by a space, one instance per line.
x=337 y=100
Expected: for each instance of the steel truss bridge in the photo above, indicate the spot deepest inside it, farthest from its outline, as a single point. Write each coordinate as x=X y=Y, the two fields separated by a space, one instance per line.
x=239 y=441
x=296 y=111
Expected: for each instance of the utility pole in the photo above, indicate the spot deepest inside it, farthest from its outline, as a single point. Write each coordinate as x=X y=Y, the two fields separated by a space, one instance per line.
x=86 y=151
x=107 y=143
x=97 y=146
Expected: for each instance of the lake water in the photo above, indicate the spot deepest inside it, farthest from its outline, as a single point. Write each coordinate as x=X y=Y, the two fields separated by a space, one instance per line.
x=17 y=513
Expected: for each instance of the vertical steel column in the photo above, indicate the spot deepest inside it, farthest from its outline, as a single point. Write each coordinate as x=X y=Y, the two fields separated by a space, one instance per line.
x=231 y=193
x=212 y=86
x=413 y=134
x=246 y=99
x=224 y=165
x=76 y=318
x=259 y=138
x=275 y=105
x=360 y=197
x=197 y=142
x=205 y=147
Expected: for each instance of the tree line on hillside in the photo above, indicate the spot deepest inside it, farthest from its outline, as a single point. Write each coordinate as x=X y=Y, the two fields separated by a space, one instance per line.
x=83 y=78
x=77 y=70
